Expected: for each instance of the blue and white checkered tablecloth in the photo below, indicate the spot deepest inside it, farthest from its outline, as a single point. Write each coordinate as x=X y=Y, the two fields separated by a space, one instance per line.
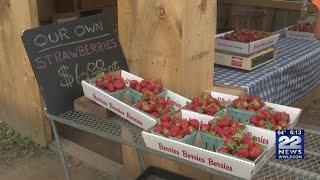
x=293 y=74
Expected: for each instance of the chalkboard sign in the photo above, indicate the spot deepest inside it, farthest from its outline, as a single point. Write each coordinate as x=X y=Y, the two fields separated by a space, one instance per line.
x=63 y=54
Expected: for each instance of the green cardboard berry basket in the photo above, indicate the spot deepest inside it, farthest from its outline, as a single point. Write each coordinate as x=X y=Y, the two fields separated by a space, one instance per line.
x=210 y=142
x=136 y=95
x=264 y=151
x=119 y=94
x=213 y=142
x=188 y=139
x=242 y=116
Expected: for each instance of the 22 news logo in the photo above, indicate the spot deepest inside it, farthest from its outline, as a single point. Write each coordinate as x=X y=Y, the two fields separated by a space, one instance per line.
x=290 y=144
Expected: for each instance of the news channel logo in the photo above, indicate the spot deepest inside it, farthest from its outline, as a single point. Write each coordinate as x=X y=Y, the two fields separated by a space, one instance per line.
x=290 y=144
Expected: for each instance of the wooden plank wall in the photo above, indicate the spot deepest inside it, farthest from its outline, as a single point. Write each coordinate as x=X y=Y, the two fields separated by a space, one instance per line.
x=267 y=15
x=172 y=41
x=20 y=101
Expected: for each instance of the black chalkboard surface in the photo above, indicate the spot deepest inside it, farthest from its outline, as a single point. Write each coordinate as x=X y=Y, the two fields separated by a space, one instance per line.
x=63 y=54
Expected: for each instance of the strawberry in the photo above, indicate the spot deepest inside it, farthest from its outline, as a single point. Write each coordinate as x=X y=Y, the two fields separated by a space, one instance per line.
x=254 y=152
x=205 y=127
x=223 y=150
x=185 y=132
x=139 y=105
x=184 y=124
x=174 y=131
x=242 y=153
x=107 y=77
x=166 y=125
x=270 y=119
x=133 y=83
x=158 y=129
x=144 y=90
x=150 y=87
x=110 y=87
x=162 y=100
x=138 y=88
x=165 y=118
x=245 y=35
x=250 y=145
x=205 y=104
x=155 y=114
x=249 y=103
x=118 y=84
x=245 y=138
x=174 y=126
x=282 y=123
x=156 y=91
x=194 y=123
x=99 y=84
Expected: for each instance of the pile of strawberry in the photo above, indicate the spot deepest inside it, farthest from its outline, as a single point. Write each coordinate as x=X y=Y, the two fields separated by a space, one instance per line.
x=147 y=86
x=110 y=82
x=303 y=27
x=174 y=126
x=241 y=145
x=249 y=103
x=206 y=104
x=245 y=35
x=270 y=119
x=154 y=105
x=224 y=127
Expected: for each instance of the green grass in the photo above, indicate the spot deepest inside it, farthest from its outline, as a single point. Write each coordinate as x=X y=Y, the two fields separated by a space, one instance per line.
x=14 y=145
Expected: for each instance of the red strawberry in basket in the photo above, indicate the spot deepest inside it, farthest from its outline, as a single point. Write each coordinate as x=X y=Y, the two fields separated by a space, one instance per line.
x=118 y=84
x=133 y=83
x=185 y=132
x=99 y=84
x=165 y=118
x=139 y=105
x=224 y=150
x=205 y=127
x=194 y=123
x=156 y=91
x=158 y=129
x=166 y=125
x=138 y=88
x=283 y=123
x=150 y=87
x=162 y=100
x=184 y=125
x=110 y=87
x=250 y=145
x=245 y=138
x=155 y=114
x=225 y=121
x=243 y=153
x=107 y=77
x=174 y=130
x=255 y=152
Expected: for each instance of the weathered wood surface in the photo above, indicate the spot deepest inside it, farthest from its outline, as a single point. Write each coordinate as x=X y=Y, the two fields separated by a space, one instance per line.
x=20 y=100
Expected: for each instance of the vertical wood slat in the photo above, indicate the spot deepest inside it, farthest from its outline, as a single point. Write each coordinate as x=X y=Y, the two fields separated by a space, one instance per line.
x=172 y=41
x=20 y=100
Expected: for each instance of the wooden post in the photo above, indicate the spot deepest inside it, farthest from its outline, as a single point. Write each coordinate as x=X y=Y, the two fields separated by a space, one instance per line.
x=172 y=41
x=20 y=100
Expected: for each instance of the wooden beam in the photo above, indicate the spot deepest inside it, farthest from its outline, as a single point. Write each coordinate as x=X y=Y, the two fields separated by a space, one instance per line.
x=20 y=100
x=172 y=41
x=277 y=4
